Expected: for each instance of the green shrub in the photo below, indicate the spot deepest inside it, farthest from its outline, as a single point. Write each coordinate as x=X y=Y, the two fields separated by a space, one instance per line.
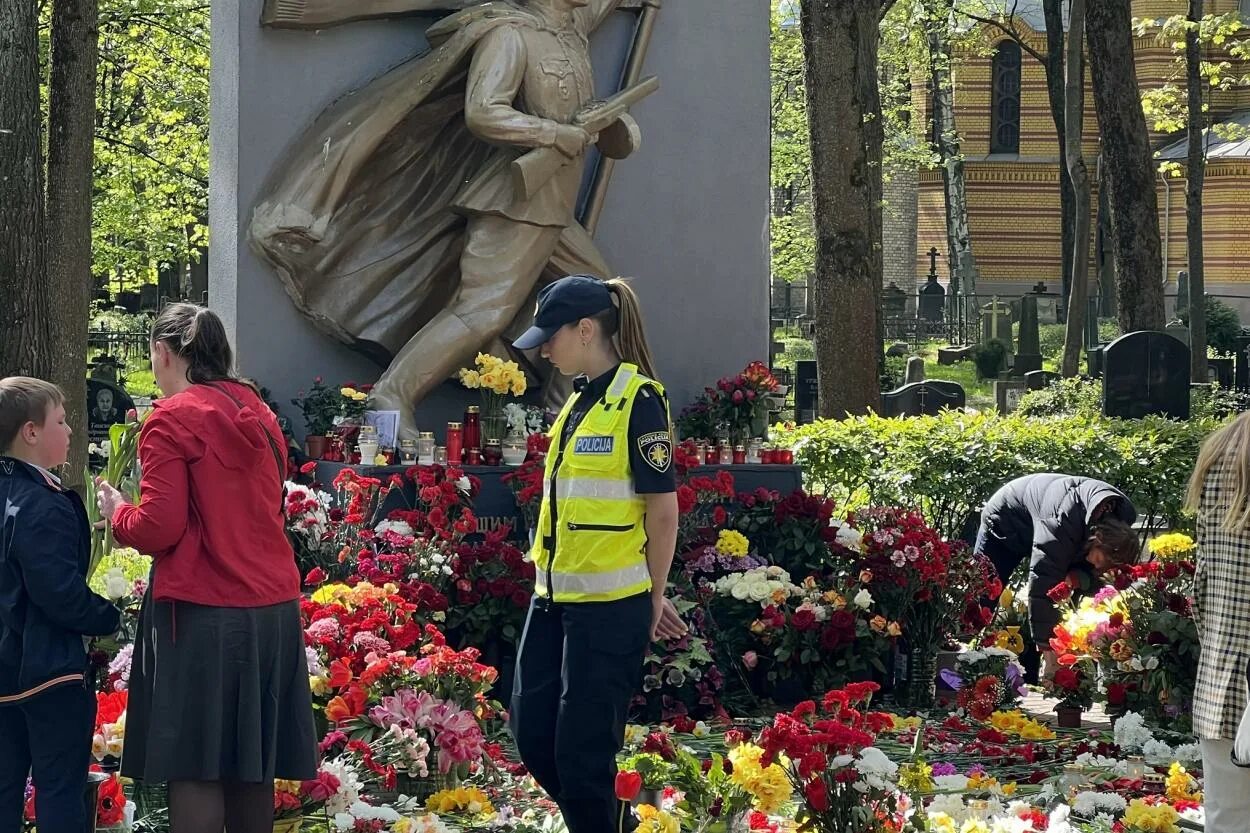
x=948 y=465
x=1223 y=326
x=894 y=373
x=1077 y=396
x=990 y=358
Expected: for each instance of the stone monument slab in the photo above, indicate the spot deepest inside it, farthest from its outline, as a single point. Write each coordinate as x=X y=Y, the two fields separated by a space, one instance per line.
x=922 y=398
x=672 y=201
x=107 y=405
x=1146 y=372
x=1007 y=393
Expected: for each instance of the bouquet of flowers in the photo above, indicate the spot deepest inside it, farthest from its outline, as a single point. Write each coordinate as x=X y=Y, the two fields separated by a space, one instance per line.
x=296 y=799
x=491 y=585
x=844 y=782
x=738 y=404
x=986 y=680
x=495 y=379
x=354 y=402
x=795 y=530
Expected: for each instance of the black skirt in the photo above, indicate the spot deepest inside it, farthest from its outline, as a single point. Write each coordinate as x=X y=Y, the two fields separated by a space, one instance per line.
x=219 y=694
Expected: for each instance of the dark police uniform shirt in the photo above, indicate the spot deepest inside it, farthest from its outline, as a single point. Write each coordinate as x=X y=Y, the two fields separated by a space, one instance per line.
x=650 y=441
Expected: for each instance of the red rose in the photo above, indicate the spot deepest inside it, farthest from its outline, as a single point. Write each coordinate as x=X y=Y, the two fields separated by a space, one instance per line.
x=843 y=620
x=315 y=576
x=803 y=620
x=1061 y=592
x=1067 y=679
x=628 y=785
x=1116 y=620
x=520 y=598
x=1117 y=695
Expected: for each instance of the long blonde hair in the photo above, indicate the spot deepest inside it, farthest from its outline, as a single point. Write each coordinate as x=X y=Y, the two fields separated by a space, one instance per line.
x=1231 y=446
x=629 y=335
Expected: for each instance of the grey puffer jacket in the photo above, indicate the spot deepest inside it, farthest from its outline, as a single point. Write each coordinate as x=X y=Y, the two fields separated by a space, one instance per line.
x=1046 y=518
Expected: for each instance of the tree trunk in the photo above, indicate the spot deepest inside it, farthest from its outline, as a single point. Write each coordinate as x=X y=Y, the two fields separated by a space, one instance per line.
x=1196 y=173
x=71 y=127
x=840 y=39
x=1057 y=97
x=1129 y=169
x=1075 y=162
x=24 y=338
x=946 y=139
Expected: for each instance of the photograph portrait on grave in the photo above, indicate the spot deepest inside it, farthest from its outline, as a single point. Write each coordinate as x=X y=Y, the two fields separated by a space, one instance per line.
x=494 y=122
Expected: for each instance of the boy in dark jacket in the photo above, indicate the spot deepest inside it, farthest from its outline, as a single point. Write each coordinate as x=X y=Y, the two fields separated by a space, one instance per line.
x=1060 y=523
x=47 y=714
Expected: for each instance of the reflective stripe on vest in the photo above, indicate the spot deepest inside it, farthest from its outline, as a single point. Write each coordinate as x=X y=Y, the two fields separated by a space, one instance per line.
x=590 y=487
x=592 y=583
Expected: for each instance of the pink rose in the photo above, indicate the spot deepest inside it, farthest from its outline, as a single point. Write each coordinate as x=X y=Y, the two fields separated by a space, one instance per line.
x=750 y=659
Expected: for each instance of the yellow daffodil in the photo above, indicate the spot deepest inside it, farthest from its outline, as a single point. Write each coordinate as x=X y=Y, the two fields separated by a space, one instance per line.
x=1181 y=786
x=916 y=777
x=460 y=800
x=1141 y=817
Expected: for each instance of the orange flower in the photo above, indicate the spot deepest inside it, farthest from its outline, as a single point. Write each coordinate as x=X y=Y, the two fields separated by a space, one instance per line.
x=340 y=673
x=1068 y=660
x=337 y=710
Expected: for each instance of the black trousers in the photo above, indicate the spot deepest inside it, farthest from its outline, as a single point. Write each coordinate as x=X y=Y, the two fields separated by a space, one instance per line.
x=577 y=670
x=49 y=738
x=1005 y=561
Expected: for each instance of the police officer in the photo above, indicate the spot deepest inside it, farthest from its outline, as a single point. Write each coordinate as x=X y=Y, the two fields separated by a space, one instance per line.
x=602 y=549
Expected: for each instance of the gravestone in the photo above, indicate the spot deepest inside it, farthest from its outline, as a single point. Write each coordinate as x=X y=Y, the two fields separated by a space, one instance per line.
x=1146 y=372
x=915 y=370
x=932 y=299
x=1029 y=354
x=893 y=300
x=996 y=324
x=107 y=405
x=1241 y=355
x=1222 y=372
x=1178 y=331
x=922 y=398
x=1007 y=393
x=675 y=198
x=1040 y=379
x=1182 y=294
x=898 y=349
x=1047 y=305
x=806 y=393
x=955 y=354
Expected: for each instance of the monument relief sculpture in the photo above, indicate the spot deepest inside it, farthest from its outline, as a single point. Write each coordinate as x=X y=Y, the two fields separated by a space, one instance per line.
x=416 y=218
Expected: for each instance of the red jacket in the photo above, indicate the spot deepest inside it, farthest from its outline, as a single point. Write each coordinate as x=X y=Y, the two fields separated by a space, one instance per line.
x=210 y=510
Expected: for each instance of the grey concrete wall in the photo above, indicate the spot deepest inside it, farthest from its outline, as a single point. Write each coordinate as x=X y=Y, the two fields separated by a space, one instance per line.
x=687 y=216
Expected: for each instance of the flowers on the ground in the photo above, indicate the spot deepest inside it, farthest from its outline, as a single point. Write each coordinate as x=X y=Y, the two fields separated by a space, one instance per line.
x=768 y=784
x=470 y=800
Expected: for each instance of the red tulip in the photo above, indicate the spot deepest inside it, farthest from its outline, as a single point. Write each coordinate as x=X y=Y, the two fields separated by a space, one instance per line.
x=628 y=784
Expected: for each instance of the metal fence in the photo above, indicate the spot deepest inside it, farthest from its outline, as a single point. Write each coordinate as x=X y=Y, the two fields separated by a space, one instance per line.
x=120 y=344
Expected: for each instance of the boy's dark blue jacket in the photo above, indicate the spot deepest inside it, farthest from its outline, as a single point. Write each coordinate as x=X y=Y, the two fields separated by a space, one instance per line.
x=45 y=605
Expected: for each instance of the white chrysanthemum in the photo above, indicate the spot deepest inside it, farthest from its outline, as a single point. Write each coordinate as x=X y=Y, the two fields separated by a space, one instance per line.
x=1091 y=803
x=950 y=804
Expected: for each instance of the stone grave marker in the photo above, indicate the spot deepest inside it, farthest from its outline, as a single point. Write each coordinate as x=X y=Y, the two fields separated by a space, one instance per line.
x=1007 y=394
x=1040 y=379
x=1047 y=305
x=996 y=323
x=1146 y=372
x=1029 y=352
x=915 y=370
x=920 y=398
x=805 y=391
x=932 y=299
x=107 y=405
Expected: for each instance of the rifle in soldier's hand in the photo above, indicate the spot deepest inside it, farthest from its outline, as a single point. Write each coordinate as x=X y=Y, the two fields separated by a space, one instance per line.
x=533 y=170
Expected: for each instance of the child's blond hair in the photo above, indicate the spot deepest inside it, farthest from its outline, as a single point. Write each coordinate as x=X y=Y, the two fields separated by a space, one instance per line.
x=24 y=399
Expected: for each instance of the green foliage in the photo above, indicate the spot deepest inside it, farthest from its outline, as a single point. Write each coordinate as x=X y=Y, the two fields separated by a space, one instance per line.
x=150 y=204
x=948 y=465
x=1223 y=326
x=1077 y=396
x=895 y=372
x=1166 y=106
x=990 y=358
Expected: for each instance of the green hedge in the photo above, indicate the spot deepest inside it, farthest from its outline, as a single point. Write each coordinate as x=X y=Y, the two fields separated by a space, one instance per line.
x=948 y=465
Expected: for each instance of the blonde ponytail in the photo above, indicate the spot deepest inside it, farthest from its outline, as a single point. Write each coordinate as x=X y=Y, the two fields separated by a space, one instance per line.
x=1229 y=446
x=630 y=335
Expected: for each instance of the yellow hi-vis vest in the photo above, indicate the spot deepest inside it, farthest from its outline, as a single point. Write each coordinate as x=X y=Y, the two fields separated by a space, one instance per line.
x=590 y=541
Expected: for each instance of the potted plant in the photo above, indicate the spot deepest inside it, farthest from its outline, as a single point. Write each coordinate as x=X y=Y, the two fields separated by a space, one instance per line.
x=321 y=406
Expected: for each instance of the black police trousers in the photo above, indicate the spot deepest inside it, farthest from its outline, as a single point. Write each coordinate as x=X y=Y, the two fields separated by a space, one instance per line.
x=49 y=738
x=577 y=669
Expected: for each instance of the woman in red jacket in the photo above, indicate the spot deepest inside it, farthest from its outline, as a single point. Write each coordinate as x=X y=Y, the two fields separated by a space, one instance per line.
x=219 y=699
